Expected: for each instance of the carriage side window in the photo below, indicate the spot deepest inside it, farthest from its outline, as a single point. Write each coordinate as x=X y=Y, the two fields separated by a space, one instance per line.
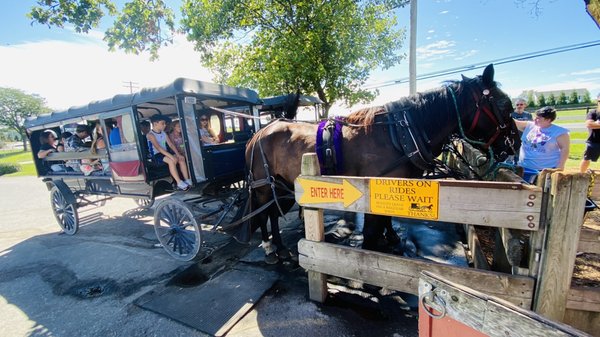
x=122 y=133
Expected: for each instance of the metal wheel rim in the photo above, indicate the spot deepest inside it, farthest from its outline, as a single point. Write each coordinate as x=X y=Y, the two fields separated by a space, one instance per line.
x=64 y=212
x=177 y=230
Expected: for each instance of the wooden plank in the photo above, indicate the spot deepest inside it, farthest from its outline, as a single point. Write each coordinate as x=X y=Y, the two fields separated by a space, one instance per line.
x=401 y=273
x=314 y=230
x=581 y=298
x=558 y=257
x=587 y=321
x=487 y=314
x=589 y=241
x=496 y=204
x=479 y=260
x=87 y=154
x=537 y=238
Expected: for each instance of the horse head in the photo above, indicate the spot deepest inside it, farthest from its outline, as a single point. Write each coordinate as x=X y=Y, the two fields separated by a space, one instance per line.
x=485 y=115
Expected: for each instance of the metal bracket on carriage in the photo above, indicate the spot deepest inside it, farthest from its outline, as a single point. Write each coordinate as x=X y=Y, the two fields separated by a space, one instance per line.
x=408 y=139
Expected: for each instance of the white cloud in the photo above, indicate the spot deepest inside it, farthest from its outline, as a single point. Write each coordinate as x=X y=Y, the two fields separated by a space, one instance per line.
x=466 y=54
x=75 y=73
x=431 y=31
x=586 y=72
x=436 y=50
x=444 y=12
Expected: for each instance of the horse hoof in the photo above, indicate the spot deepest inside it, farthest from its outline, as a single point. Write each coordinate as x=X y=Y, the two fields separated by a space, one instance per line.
x=392 y=238
x=271 y=258
x=285 y=254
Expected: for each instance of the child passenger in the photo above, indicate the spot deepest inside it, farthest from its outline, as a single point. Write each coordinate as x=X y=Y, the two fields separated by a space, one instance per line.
x=158 y=142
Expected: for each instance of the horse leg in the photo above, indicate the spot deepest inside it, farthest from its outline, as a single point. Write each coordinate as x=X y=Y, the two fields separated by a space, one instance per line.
x=390 y=234
x=267 y=245
x=373 y=230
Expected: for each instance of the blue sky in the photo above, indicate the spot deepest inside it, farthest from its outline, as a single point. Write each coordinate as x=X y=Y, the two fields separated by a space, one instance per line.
x=72 y=69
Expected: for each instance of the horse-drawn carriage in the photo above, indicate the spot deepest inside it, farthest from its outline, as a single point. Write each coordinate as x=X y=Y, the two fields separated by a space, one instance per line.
x=234 y=182
x=217 y=171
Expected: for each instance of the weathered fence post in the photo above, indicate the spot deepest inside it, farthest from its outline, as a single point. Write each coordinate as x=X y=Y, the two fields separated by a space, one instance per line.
x=314 y=229
x=562 y=238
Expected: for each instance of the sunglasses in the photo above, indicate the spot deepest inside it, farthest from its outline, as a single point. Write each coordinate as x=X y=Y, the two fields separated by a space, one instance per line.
x=520 y=104
x=203 y=119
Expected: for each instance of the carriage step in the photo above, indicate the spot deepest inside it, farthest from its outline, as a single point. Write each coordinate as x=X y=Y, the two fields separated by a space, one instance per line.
x=218 y=304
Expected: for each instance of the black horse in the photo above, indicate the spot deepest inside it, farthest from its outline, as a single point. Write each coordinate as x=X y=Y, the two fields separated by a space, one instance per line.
x=400 y=139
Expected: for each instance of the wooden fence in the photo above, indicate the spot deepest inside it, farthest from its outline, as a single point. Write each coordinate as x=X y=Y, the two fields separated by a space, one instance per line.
x=549 y=213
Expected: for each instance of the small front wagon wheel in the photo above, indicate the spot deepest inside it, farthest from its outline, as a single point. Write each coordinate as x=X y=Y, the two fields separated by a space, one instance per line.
x=177 y=229
x=145 y=203
x=64 y=211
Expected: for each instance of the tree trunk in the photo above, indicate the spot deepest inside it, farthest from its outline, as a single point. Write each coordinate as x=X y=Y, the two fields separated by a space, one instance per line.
x=24 y=143
x=326 y=104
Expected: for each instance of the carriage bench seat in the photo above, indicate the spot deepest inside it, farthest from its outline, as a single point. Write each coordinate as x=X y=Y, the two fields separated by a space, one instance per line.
x=157 y=170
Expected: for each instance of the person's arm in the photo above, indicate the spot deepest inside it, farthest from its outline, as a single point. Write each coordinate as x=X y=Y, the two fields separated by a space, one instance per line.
x=563 y=141
x=44 y=153
x=213 y=135
x=521 y=125
x=171 y=145
x=157 y=146
x=592 y=124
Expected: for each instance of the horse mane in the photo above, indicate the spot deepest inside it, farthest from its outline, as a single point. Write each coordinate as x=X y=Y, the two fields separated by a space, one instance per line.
x=364 y=116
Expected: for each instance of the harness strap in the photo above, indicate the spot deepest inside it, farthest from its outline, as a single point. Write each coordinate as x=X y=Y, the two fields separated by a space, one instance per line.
x=409 y=139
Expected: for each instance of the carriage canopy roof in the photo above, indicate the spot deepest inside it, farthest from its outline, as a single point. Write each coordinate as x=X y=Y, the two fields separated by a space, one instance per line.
x=279 y=101
x=205 y=90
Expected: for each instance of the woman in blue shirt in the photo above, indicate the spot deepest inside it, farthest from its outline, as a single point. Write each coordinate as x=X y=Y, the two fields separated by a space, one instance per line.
x=543 y=144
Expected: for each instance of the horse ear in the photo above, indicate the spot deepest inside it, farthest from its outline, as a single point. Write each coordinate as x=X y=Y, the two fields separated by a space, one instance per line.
x=488 y=75
x=464 y=78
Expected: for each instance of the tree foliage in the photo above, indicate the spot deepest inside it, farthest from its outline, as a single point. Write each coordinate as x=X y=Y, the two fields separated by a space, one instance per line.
x=15 y=106
x=541 y=100
x=562 y=99
x=574 y=98
x=586 y=97
x=323 y=47
x=551 y=100
x=530 y=99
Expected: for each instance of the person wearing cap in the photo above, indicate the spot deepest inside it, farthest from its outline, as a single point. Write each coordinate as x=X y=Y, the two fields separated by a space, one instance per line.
x=158 y=140
x=520 y=114
x=592 y=144
x=76 y=143
x=543 y=144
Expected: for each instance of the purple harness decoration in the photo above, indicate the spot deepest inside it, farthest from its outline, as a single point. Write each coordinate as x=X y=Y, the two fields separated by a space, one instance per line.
x=329 y=146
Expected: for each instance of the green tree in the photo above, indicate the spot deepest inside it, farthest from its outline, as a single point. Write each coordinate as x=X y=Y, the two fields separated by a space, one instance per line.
x=551 y=100
x=15 y=106
x=574 y=98
x=327 y=48
x=530 y=99
x=586 y=97
x=562 y=99
x=541 y=100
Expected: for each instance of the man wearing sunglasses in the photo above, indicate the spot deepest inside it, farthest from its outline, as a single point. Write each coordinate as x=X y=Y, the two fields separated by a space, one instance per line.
x=520 y=114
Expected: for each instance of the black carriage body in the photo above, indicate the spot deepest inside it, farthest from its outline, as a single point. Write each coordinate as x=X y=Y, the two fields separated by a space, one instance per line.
x=132 y=173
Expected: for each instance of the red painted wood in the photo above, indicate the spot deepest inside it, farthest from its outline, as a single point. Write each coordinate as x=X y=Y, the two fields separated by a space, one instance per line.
x=443 y=327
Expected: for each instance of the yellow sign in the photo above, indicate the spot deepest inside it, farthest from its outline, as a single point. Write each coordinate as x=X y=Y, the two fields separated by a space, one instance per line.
x=405 y=198
x=323 y=192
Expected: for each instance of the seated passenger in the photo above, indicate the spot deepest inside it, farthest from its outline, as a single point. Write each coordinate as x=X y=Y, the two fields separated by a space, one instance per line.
x=158 y=142
x=47 y=139
x=177 y=137
x=145 y=128
x=207 y=135
x=77 y=143
x=114 y=134
x=63 y=140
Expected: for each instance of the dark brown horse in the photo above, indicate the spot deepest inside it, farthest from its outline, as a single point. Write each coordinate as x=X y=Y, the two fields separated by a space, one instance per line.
x=472 y=108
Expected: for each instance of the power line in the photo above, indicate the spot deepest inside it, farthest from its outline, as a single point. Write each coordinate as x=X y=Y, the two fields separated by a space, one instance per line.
x=482 y=64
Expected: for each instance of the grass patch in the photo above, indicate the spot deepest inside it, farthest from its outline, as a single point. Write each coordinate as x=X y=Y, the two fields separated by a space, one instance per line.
x=22 y=159
x=579 y=135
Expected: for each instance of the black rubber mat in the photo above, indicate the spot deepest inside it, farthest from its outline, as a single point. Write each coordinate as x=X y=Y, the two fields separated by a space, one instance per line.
x=217 y=305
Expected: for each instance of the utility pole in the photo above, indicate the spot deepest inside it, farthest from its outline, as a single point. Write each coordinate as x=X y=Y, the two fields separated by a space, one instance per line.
x=412 y=56
x=131 y=86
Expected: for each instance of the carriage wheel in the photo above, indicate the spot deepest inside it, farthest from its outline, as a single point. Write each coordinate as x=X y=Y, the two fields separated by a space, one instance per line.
x=145 y=203
x=177 y=229
x=65 y=212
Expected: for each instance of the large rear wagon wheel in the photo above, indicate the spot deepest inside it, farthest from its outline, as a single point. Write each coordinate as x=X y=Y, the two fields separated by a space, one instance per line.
x=65 y=212
x=177 y=229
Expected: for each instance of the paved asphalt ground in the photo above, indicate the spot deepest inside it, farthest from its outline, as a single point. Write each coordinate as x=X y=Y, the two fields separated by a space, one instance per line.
x=52 y=284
